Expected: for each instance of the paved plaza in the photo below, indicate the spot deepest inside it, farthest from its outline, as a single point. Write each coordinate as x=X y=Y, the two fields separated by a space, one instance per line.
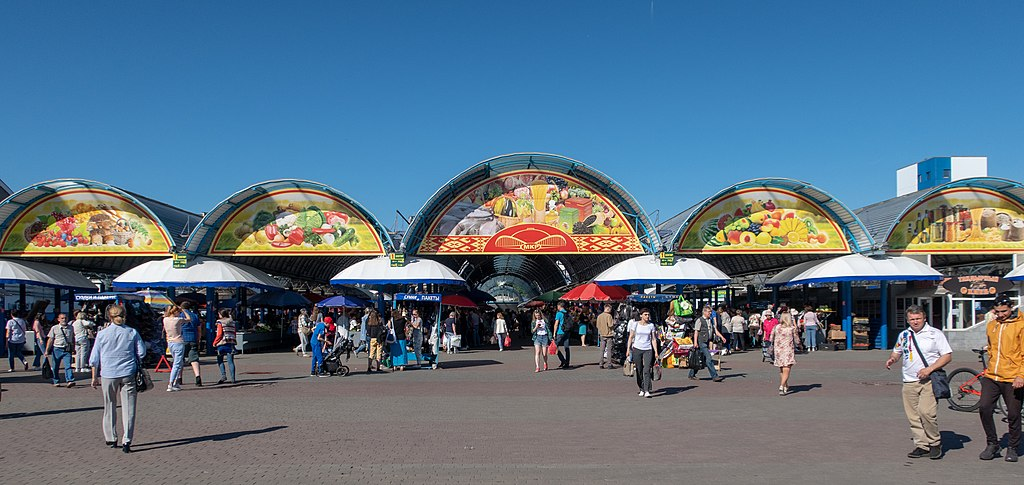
x=487 y=417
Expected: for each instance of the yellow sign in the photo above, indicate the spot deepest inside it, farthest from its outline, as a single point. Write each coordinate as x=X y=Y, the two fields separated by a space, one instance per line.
x=531 y=211
x=293 y=221
x=762 y=220
x=180 y=260
x=85 y=222
x=397 y=260
x=961 y=220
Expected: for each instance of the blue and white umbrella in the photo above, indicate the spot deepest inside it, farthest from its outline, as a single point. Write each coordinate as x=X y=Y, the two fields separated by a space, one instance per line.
x=378 y=271
x=648 y=270
x=857 y=267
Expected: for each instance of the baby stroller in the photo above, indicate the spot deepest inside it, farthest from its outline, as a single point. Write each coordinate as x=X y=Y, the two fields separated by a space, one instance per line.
x=767 y=352
x=334 y=361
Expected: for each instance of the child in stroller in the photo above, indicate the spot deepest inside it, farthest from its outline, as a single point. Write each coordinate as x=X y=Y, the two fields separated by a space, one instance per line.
x=335 y=359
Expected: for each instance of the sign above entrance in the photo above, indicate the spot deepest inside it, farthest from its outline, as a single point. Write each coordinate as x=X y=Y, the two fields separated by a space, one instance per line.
x=762 y=220
x=531 y=211
x=296 y=221
x=976 y=285
x=85 y=222
x=961 y=220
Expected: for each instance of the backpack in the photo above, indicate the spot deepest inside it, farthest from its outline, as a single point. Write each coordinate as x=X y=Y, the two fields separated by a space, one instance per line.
x=566 y=323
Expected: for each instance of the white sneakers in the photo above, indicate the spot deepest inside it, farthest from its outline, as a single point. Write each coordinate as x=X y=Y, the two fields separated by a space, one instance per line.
x=647 y=394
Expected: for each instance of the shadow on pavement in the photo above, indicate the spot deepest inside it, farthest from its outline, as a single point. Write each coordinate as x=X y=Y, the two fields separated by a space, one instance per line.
x=953 y=441
x=458 y=364
x=803 y=388
x=49 y=412
x=199 y=439
x=668 y=391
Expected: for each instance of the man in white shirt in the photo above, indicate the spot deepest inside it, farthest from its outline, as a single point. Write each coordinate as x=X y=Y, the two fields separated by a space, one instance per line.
x=918 y=398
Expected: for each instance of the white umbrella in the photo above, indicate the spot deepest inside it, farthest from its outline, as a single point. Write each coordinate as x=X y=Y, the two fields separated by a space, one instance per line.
x=647 y=269
x=378 y=271
x=789 y=273
x=857 y=267
x=200 y=271
x=1017 y=274
x=42 y=274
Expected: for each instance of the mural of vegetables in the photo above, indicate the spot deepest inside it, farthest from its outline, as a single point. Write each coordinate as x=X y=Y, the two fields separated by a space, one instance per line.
x=296 y=221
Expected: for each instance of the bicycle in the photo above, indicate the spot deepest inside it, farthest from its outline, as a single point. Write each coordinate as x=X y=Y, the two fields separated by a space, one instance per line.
x=965 y=386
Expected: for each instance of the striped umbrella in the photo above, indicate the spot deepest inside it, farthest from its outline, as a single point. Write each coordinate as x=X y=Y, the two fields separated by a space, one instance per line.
x=155 y=298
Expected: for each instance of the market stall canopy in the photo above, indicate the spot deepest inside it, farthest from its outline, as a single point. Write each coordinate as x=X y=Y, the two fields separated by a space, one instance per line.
x=200 y=271
x=42 y=274
x=279 y=299
x=648 y=269
x=379 y=271
x=1016 y=275
x=784 y=276
x=342 y=301
x=457 y=300
x=593 y=291
x=155 y=298
x=857 y=267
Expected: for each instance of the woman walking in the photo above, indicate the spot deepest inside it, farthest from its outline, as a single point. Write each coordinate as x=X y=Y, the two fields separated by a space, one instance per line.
x=15 y=335
x=754 y=328
x=225 y=344
x=115 y=358
x=398 y=341
x=642 y=349
x=783 y=338
x=416 y=330
x=175 y=343
x=811 y=325
x=305 y=330
x=82 y=326
x=500 y=330
x=541 y=339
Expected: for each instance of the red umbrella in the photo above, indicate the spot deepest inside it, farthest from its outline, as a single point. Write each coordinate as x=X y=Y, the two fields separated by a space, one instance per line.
x=457 y=300
x=593 y=291
x=534 y=304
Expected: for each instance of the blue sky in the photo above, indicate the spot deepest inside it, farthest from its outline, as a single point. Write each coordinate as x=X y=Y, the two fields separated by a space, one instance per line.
x=187 y=102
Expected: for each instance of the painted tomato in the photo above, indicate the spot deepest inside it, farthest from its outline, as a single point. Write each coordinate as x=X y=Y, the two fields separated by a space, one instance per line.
x=271 y=231
x=296 y=235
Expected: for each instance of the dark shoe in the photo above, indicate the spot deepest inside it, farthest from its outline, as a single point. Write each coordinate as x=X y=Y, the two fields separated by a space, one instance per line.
x=127 y=448
x=991 y=451
x=935 y=452
x=225 y=380
x=199 y=381
x=112 y=444
x=71 y=384
x=917 y=453
x=692 y=378
x=718 y=379
x=1011 y=455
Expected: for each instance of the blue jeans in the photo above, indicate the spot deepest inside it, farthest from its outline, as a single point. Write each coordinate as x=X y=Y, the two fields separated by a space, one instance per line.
x=811 y=337
x=15 y=350
x=38 y=351
x=59 y=356
x=226 y=352
x=178 y=354
x=703 y=348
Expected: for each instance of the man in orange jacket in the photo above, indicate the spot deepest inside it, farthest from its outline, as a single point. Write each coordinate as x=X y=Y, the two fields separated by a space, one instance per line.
x=1005 y=376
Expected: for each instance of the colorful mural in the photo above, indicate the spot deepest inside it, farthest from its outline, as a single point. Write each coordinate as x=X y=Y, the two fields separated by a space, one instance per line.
x=531 y=211
x=960 y=220
x=85 y=222
x=762 y=220
x=291 y=221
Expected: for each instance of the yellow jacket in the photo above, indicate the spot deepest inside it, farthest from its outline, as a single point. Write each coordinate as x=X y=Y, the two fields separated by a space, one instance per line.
x=1006 y=348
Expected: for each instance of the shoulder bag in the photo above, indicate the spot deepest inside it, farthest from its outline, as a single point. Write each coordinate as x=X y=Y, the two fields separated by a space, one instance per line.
x=940 y=381
x=143 y=382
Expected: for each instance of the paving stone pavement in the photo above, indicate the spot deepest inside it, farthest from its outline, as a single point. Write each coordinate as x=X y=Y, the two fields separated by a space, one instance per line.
x=486 y=417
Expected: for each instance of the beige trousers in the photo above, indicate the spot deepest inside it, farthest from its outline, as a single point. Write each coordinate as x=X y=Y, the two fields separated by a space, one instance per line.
x=921 y=409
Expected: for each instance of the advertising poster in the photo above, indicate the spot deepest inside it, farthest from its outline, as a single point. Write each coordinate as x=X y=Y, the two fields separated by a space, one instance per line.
x=762 y=220
x=960 y=220
x=85 y=222
x=296 y=221
x=531 y=212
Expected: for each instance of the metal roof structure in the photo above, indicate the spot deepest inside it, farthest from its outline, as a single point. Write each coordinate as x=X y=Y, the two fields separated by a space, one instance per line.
x=5 y=191
x=547 y=270
x=306 y=267
x=854 y=230
x=170 y=219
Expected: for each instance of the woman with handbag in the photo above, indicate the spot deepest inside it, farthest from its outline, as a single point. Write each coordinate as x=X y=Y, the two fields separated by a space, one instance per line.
x=305 y=330
x=115 y=358
x=225 y=344
x=784 y=338
x=396 y=341
x=500 y=330
x=642 y=350
x=541 y=339
x=416 y=334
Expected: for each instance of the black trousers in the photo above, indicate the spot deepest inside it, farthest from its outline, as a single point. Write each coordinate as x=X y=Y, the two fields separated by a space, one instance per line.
x=990 y=392
x=562 y=341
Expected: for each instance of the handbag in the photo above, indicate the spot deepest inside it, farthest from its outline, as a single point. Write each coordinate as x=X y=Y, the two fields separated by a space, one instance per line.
x=508 y=341
x=552 y=348
x=657 y=371
x=47 y=369
x=143 y=382
x=628 y=368
x=940 y=381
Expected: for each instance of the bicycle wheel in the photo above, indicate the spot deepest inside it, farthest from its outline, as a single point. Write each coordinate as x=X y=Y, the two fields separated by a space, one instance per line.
x=965 y=389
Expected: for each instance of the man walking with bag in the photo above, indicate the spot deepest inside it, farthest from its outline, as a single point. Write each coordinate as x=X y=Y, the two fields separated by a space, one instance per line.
x=703 y=329
x=563 y=322
x=925 y=352
x=605 y=329
x=1005 y=376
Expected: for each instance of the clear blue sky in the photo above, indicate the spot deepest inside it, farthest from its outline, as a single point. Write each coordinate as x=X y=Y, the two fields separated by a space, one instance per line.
x=188 y=102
